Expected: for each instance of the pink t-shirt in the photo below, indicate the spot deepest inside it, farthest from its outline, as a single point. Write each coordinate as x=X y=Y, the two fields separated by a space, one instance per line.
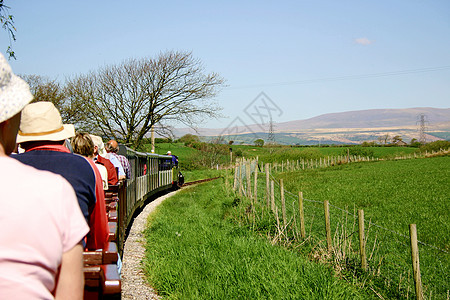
x=40 y=219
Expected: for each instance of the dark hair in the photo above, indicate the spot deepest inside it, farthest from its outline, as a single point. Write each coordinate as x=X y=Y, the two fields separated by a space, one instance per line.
x=82 y=144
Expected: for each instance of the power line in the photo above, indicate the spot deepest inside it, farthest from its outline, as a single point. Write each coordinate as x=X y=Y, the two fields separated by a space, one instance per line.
x=347 y=77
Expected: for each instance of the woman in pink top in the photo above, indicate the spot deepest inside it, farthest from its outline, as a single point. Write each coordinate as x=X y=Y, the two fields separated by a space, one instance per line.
x=41 y=224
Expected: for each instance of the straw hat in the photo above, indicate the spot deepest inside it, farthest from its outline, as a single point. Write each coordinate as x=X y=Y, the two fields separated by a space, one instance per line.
x=14 y=92
x=41 y=121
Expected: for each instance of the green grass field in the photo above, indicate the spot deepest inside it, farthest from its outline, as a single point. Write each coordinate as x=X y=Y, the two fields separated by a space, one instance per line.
x=393 y=194
x=187 y=155
x=194 y=251
x=283 y=153
x=203 y=244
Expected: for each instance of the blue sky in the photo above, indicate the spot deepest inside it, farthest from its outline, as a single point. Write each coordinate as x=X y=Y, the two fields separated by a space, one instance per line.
x=299 y=53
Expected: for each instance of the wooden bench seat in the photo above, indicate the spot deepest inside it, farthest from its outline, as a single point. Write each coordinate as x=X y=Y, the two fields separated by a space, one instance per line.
x=102 y=282
x=112 y=216
x=109 y=255
x=112 y=231
x=102 y=279
x=111 y=206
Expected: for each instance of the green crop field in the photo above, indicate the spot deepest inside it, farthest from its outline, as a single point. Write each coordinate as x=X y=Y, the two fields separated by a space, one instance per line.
x=393 y=194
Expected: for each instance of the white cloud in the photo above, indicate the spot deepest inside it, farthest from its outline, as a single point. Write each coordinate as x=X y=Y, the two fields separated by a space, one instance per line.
x=363 y=41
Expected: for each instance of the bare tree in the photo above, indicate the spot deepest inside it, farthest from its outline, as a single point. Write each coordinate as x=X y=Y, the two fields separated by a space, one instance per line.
x=45 y=89
x=384 y=139
x=124 y=101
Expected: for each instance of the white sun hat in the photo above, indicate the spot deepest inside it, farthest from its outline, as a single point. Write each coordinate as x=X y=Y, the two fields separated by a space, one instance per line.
x=41 y=121
x=99 y=143
x=14 y=92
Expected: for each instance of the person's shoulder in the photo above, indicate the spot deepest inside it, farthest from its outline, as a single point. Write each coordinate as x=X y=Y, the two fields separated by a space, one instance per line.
x=123 y=157
x=75 y=162
x=31 y=174
x=74 y=159
x=54 y=155
x=104 y=161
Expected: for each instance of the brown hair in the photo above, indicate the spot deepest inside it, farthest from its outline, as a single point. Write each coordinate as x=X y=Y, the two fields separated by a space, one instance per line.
x=82 y=144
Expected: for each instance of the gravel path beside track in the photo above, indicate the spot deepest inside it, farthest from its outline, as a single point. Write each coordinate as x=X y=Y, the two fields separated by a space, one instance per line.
x=134 y=285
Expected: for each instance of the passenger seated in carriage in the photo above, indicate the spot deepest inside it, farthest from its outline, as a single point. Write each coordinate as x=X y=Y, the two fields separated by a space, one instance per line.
x=42 y=225
x=42 y=135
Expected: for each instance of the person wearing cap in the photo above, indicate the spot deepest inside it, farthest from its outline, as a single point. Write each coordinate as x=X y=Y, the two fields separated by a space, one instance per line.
x=42 y=135
x=174 y=158
x=42 y=224
x=112 y=147
x=99 y=151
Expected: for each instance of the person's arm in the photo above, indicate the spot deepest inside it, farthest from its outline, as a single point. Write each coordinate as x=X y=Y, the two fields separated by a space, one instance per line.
x=70 y=283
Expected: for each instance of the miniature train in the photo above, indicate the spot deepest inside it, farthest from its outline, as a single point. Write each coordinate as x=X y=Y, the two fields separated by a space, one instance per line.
x=150 y=174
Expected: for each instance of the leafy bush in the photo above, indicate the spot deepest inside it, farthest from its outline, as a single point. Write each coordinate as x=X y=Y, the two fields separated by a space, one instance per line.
x=188 y=139
x=369 y=144
x=435 y=146
x=238 y=153
x=209 y=155
x=163 y=140
x=259 y=142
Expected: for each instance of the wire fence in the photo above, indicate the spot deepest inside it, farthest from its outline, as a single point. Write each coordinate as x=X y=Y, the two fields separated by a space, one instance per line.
x=388 y=251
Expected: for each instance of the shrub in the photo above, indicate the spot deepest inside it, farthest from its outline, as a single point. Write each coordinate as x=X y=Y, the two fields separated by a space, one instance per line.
x=238 y=153
x=209 y=155
x=259 y=142
x=163 y=140
x=188 y=139
x=435 y=146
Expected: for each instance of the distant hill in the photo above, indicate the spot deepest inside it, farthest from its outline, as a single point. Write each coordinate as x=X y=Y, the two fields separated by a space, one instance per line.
x=371 y=118
x=350 y=127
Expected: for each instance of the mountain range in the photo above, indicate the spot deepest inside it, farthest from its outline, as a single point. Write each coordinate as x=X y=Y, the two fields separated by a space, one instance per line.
x=351 y=127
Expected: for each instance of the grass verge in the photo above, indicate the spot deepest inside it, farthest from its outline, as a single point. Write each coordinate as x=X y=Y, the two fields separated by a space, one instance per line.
x=194 y=251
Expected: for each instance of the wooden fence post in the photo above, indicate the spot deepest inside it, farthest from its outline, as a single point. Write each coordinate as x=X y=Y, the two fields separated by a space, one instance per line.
x=272 y=195
x=362 y=242
x=267 y=185
x=241 y=179
x=256 y=182
x=248 y=174
x=283 y=202
x=415 y=261
x=235 y=178
x=326 y=206
x=302 y=216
